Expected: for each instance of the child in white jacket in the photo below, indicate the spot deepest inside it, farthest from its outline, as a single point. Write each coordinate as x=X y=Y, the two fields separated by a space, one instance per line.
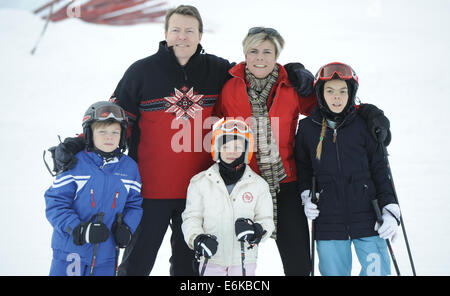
x=223 y=194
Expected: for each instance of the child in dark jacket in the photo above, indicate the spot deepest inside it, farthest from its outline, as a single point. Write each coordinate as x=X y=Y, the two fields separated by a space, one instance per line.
x=334 y=145
x=98 y=197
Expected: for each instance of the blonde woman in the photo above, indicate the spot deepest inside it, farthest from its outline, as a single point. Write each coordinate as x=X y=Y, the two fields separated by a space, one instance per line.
x=261 y=94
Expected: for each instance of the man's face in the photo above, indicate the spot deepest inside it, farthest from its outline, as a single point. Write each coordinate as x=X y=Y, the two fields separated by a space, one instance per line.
x=184 y=35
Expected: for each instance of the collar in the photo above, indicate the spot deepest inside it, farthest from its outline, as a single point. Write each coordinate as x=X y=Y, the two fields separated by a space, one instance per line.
x=238 y=71
x=100 y=161
x=213 y=174
x=316 y=116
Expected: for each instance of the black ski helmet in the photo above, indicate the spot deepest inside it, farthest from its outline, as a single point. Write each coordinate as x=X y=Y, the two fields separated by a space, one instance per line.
x=104 y=111
x=331 y=71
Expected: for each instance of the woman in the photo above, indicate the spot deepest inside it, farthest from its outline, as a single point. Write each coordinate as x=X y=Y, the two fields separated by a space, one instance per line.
x=261 y=94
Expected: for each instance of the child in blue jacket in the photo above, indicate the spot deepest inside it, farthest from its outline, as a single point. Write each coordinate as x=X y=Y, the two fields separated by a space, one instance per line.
x=95 y=207
x=334 y=145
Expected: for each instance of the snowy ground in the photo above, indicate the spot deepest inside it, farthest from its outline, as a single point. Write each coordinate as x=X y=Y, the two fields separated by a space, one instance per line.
x=400 y=50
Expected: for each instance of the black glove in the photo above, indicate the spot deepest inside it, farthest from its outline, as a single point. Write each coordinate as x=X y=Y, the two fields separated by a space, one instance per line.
x=79 y=234
x=247 y=230
x=121 y=232
x=64 y=154
x=205 y=245
x=377 y=123
x=301 y=79
x=92 y=232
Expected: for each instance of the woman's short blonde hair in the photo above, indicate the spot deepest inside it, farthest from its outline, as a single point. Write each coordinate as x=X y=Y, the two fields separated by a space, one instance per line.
x=254 y=40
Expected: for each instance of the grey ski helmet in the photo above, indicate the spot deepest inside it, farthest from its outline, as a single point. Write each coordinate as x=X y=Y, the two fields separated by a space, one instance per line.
x=104 y=111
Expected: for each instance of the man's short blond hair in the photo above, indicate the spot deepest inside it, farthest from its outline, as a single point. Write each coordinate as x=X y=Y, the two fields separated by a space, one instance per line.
x=186 y=10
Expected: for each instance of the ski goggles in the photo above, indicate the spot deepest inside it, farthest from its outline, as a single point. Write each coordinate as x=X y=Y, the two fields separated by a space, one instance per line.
x=327 y=72
x=107 y=112
x=268 y=31
x=234 y=125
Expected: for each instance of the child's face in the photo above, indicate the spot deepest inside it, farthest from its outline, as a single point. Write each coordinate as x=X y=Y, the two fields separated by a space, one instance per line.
x=232 y=150
x=336 y=95
x=107 y=138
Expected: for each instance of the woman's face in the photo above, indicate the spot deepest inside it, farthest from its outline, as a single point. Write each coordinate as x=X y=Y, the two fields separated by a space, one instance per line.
x=261 y=59
x=335 y=93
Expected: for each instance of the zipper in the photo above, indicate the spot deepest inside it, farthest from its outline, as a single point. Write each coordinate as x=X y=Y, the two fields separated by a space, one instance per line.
x=337 y=149
x=115 y=198
x=184 y=73
x=93 y=198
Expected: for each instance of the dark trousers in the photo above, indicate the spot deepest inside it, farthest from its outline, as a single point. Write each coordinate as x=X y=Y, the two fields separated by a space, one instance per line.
x=292 y=231
x=139 y=257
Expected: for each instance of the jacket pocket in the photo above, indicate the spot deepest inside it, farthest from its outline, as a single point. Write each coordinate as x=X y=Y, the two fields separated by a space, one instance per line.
x=363 y=193
x=328 y=197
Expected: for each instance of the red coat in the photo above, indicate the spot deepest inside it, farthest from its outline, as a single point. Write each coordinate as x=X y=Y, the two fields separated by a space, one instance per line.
x=284 y=107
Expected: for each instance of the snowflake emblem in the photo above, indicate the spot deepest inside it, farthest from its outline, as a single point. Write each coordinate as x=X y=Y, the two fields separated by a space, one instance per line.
x=184 y=103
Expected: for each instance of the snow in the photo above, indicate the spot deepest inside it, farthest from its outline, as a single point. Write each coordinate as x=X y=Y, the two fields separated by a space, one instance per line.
x=398 y=48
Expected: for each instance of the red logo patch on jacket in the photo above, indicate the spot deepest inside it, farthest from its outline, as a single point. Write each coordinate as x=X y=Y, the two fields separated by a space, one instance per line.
x=247 y=197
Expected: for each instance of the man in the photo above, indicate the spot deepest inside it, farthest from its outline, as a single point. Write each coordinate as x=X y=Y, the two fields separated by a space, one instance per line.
x=169 y=98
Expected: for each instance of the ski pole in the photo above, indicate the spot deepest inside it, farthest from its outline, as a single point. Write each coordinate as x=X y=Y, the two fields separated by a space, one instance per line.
x=119 y=219
x=116 y=268
x=204 y=266
x=380 y=221
x=244 y=272
x=314 y=200
x=205 y=262
x=44 y=29
x=94 y=255
x=411 y=261
x=242 y=236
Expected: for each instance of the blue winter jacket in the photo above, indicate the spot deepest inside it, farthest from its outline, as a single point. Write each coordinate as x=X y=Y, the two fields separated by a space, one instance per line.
x=93 y=186
x=352 y=171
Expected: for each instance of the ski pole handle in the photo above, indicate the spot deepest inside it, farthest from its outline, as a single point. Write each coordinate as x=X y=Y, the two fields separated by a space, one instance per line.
x=119 y=218
x=94 y=255
x=376 y=207
x=314 y=198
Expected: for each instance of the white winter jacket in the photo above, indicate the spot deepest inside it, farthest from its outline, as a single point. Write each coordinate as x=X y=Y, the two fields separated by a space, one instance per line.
x=211 y=210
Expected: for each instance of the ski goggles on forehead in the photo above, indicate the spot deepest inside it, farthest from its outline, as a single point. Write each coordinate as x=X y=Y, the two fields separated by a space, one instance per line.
x=342 y=70
x=107 y=112
x=232 y=125
x=268 y=31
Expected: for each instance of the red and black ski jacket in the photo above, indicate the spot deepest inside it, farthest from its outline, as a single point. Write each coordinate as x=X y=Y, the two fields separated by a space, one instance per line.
x=169 y=108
